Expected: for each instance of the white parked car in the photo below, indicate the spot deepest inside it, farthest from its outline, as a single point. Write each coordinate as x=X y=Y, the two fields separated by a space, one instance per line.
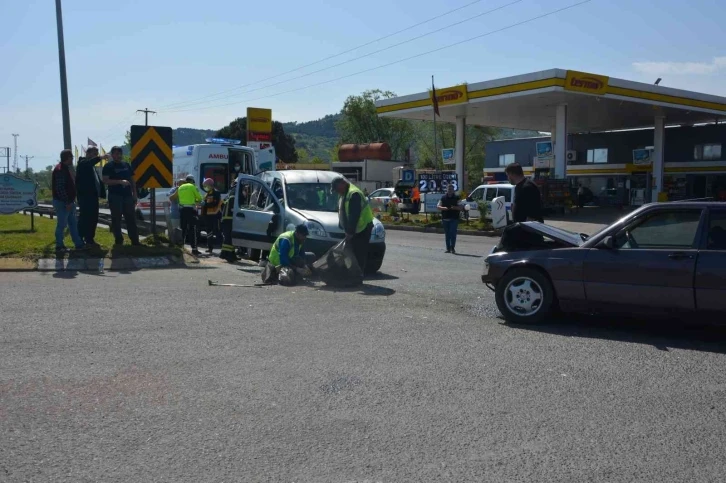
x=381 y=198
x=487 y=192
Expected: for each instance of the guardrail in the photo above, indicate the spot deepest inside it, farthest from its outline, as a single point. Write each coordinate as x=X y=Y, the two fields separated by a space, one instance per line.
x=103 y=219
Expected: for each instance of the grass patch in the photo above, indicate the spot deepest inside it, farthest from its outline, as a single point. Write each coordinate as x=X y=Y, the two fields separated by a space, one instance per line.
x=16 y=240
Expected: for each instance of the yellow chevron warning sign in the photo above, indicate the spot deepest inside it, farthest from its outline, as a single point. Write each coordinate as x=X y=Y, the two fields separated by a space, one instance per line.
x=151 y=156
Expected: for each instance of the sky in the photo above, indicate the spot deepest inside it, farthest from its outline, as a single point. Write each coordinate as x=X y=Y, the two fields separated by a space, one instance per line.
x=201 y=65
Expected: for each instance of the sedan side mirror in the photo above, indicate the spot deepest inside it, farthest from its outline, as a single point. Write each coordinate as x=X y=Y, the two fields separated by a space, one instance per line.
x=607 y=243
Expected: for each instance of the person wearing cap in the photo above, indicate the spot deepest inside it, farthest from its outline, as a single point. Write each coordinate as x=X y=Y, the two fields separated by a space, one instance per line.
x=189 y=198
x=287 y=252
x=211 y=207
x=122 y=197
x=355 y=218
x=227 y=252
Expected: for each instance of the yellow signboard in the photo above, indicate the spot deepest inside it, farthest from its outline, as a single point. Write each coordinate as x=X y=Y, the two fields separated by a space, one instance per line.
x=451 y=95
x=587 y=83
x=151 y=156
x=259 y=120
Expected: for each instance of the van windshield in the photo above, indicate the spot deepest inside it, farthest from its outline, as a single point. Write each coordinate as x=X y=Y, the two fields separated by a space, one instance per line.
x=311 y=197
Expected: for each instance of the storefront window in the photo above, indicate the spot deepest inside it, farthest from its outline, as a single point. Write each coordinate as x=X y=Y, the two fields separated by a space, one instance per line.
x=707 y=151
x=506 y=159
x=597 y=156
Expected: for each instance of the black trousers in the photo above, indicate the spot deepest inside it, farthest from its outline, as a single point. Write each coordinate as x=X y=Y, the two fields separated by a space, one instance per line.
x=227 y=248
x=123 y=207
x=88 y=217
x=360 y=244
x=188 y=223
x=212 y=226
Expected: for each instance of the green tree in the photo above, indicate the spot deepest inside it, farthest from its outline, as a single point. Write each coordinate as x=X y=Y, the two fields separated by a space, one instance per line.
x=474 y=149
x=360 y=123
x=317 y=160
x=302 y=155
x=284 y=143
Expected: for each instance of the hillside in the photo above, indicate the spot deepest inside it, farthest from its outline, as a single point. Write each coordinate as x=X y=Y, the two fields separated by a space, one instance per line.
x=183 y=136
x=318 y=138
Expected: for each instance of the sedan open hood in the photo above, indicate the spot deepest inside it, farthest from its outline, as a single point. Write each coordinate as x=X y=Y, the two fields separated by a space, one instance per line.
x=558 y=234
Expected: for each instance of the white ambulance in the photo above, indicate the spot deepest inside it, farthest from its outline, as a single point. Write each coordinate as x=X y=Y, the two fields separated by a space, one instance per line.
x=222 y=160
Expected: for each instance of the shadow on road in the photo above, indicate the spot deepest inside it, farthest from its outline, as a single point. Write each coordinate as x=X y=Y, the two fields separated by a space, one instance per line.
x=661 y=334
x=465 y=255
x=382 y=276
x=365 y=289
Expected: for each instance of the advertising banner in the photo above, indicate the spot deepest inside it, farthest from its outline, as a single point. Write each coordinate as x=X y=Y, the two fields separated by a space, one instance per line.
x=586 y=83
x=259 y=124
x=448 y=156
x=642 y=157
x=451 y=95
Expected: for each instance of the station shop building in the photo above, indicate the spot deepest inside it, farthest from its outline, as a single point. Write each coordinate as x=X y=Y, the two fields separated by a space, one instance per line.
x=603 y=162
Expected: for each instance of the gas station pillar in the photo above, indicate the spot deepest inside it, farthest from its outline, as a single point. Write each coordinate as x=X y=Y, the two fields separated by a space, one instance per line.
x=459 y=149
x=658 y=164
x=560 y=142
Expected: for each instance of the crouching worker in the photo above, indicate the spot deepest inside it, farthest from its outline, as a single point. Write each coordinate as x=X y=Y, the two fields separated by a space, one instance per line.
x=287 y=262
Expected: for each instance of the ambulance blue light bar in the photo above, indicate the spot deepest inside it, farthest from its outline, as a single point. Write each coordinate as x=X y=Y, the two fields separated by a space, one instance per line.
x=223 y=141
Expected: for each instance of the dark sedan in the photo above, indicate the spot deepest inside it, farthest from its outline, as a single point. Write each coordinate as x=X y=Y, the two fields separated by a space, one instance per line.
x=663 y=259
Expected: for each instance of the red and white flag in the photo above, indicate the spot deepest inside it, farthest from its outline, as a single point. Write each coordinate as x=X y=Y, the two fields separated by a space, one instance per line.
x=91 y=143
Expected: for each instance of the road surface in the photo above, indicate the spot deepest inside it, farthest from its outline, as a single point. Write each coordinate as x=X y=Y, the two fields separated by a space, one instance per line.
x=155 y=376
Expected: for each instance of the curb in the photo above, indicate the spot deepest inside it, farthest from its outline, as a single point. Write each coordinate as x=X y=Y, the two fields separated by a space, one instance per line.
x=91 y=264
x=440 y=231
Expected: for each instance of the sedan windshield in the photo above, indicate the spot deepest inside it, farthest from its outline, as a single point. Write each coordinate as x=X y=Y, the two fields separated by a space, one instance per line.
x=311 y=197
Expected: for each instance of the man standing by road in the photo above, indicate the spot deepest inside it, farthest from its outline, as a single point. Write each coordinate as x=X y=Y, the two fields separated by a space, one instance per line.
x=64 y=201
x=450 y=210
x=119 y=178
x=355 y=218
x=189 y=197
x=90 y=188
x=527 y=203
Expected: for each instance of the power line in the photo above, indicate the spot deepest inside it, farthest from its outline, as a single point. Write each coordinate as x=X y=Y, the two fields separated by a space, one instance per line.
x=355 y=58
x=508 y=27
x=327 y=58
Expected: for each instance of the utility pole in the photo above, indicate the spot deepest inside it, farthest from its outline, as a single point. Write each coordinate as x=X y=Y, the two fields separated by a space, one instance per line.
x=27 y=158
x=63 y=81
x=146 y=112
x=15 y=153
x=152 y=191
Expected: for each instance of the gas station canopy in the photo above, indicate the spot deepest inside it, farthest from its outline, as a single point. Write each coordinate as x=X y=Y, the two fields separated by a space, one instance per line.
x=561 y=102
x=529 y=101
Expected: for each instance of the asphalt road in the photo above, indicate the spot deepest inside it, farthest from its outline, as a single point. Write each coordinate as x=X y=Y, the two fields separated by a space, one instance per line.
x=155 y=376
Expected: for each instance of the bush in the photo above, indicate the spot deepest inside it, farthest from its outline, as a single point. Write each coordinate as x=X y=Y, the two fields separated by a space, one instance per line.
x=392 y=209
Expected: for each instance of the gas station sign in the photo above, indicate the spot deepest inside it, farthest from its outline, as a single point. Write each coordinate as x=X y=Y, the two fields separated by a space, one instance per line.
x=587 y=83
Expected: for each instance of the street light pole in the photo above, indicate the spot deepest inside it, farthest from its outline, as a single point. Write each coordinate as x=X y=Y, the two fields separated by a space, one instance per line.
x=63 y=81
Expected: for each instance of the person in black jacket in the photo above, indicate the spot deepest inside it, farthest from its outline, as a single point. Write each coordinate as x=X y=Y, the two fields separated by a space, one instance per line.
x=527 y=203
x=90 y=188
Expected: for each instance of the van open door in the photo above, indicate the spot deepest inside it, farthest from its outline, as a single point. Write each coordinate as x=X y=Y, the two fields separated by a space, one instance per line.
x=258 y=215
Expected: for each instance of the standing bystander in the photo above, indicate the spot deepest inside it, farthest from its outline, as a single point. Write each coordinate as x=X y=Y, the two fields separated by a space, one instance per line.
x=119 y=178
x=90 y=188
x=450 y=210
x=527 y=203
x=64 y=201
